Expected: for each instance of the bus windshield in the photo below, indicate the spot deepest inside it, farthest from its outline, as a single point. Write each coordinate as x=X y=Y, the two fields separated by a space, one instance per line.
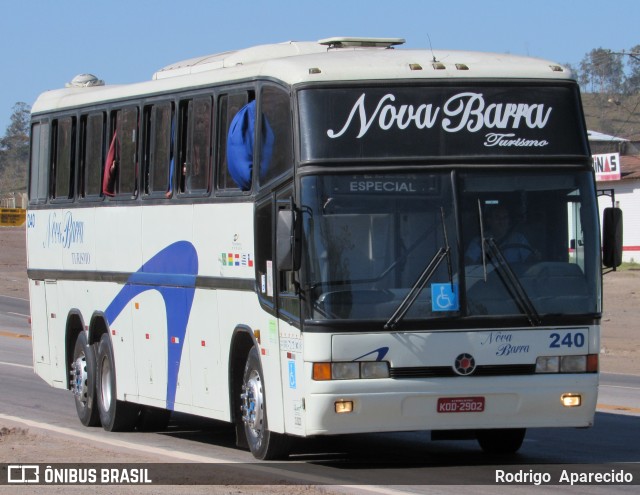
x=449 y=245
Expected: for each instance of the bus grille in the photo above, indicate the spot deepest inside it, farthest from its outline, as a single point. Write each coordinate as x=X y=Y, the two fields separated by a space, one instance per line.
x=447 y=371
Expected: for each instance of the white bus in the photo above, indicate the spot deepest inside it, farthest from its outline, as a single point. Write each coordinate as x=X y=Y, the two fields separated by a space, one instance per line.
x=301 y=239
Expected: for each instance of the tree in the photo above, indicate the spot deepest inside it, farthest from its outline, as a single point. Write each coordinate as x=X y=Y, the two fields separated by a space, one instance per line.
x=602 y=71
x=575 y=70
x=14 y=150
x=632 y=82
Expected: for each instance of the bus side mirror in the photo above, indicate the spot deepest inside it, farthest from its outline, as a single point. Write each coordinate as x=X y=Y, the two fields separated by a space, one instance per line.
x=287 y=240
x=612 y=237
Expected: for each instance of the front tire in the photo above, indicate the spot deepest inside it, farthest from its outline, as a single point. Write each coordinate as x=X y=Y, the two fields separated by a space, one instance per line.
x=115 y=415
x=264 y=444
x=502 y=441
x=83 y=381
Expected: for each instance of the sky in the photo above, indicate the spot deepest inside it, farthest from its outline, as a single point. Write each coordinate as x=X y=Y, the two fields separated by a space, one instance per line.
x=45 y=43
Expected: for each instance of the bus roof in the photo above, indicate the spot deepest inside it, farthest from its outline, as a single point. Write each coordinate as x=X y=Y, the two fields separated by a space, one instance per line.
x=293 y=62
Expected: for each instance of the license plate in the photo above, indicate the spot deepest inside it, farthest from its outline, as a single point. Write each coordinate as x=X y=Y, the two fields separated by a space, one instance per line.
x=460 y=404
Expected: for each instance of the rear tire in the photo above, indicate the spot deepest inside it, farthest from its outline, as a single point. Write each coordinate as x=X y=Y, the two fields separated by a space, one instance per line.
x=115 y=415
x=503 y=441
x=264 y=444
x=83 y=381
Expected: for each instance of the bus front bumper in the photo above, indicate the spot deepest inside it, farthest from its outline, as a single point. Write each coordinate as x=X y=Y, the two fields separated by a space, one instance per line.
x=415 y=404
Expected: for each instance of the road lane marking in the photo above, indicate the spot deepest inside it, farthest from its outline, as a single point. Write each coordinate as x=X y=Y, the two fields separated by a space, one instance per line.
x=249 y=465
x=114 y=442
x=620 y=386
x=17 y=314
x=14 y=297
x=16 y=365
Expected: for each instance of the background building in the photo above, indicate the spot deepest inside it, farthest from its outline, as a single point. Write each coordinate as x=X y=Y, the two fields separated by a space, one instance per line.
x=618 y=182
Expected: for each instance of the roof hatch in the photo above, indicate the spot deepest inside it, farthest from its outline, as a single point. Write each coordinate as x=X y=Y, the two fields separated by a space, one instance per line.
x=344 y=42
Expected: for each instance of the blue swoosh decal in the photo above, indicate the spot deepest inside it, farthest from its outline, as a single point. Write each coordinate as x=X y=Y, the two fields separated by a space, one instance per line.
x=172 y=272
x=382 y=352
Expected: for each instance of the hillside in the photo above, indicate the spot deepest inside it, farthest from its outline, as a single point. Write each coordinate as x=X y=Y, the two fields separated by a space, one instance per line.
x=617 y=115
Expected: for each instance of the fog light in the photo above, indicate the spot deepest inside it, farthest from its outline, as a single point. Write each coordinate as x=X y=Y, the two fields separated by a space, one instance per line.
x=571 y=400
x=344 y=406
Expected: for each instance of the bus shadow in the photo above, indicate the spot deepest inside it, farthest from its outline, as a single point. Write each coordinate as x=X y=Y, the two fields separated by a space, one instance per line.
x=201 y=430
x=614 y=438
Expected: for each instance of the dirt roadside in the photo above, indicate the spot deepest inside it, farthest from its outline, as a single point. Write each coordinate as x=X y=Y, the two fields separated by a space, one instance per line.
x=18 y=444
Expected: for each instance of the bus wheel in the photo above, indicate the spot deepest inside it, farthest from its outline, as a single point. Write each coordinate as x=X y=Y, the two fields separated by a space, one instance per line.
x=264 y=444
x=83 y=381
x=115 y=415
x=504 y=441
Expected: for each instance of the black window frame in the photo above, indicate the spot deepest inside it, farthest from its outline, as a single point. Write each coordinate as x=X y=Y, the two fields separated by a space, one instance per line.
x=39 y=172
x=62 y=160
x=186 y=135
x=85 y=168
x=151 y=119
x=283 y=151
x=224 y=116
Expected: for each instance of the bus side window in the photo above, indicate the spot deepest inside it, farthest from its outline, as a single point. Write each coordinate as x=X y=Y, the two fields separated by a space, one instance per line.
x=63 y=158
x=92 y=147
x=276 y=134
x=120 y=173
x=127 y=138
x=228 y=107
x=195 y=145
x=158 y=160
x=39 y=163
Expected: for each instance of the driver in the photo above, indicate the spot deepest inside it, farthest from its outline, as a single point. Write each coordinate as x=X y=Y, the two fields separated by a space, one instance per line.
x=514 y=246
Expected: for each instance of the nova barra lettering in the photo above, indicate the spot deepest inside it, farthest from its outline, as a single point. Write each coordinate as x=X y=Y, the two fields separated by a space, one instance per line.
x=465 y=111
x=64 y=231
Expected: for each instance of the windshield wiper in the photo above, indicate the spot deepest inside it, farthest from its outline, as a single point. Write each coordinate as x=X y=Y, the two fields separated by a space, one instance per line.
x=511 y=282
x=509 y=279
x=425 y=276
x=483 y=253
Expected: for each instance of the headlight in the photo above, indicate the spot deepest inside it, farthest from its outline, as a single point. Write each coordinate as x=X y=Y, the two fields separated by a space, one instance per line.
x=573 y=364
x=345 y=371
x=567 y=364
x=375 y=369
x=351 y=370
x=548 y=364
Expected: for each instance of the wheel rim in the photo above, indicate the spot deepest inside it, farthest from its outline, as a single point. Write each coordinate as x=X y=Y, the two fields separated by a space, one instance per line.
x=253 y=405
x=79 y=379
x=105 y=384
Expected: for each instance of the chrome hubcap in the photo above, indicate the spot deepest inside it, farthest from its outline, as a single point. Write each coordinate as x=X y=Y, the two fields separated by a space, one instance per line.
x=253 y=404
x=79 y=378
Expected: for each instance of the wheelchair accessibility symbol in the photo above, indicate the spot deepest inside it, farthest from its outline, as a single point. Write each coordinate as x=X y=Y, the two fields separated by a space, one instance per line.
x=292 y=374
x=444 y=297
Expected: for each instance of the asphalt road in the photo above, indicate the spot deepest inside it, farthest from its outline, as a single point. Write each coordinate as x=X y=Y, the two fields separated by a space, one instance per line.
x=14 y=315
x=403 y=461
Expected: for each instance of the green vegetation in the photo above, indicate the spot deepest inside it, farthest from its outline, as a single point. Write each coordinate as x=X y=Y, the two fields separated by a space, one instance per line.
x=14 y=151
